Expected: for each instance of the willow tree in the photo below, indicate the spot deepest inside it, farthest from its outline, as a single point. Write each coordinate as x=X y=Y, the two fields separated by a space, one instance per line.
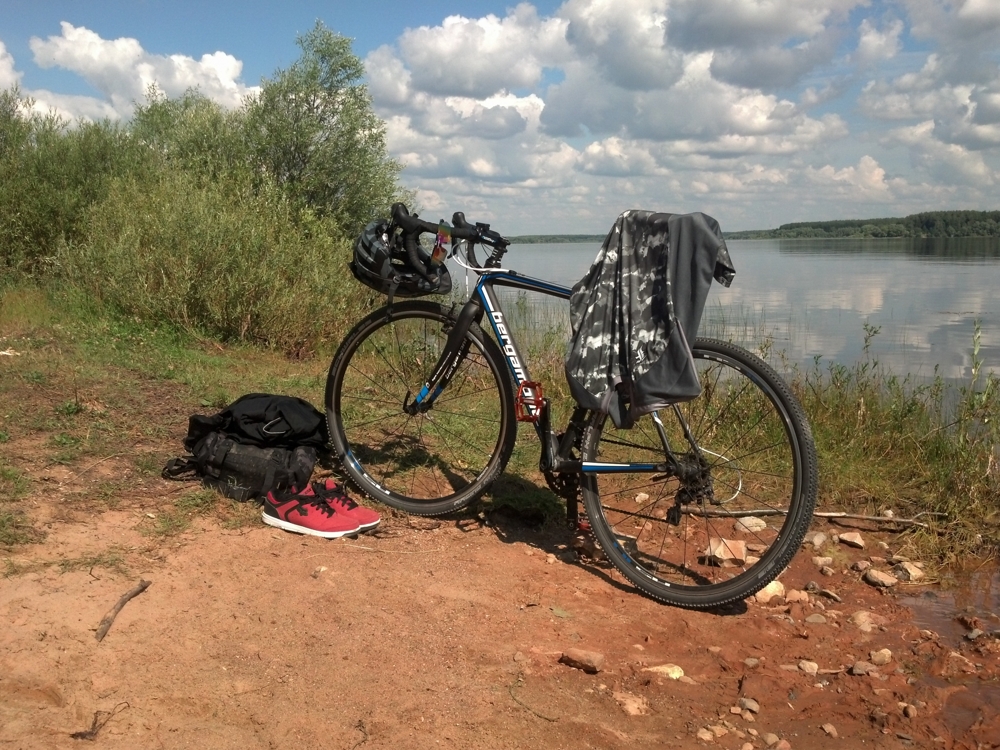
x=312 y=130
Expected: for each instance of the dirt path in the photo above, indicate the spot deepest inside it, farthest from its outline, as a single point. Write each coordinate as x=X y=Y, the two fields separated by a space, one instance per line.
x=445 y=634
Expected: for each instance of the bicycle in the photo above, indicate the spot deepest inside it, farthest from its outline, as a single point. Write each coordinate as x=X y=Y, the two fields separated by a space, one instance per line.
x=698 y=505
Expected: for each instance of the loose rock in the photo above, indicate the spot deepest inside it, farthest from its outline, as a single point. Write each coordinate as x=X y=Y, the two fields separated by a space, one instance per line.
x=818 y=539
x=852 y=539
x=671 y=671
x=861 y=668
x=750 y=705
x=751 y=525
x=775 y=589
x=827 y=570
x=589 y=661
x=880 y=658
x=831 y=730
x=861 y=566
x=816 y=619
x=794 y=595
x=633 y=705
x=726 y=553
x=705 y=735
x=783 y=745
x=821 y=562
x=910 y=711
x=907 y=571
x=752 y=662
x=879 y=579
x=866 y=621
x=811 y=668
x=771 y=739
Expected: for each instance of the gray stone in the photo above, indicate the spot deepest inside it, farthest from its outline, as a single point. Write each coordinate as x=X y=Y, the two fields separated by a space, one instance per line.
x=818 y=540
x=852 y=539
x=752 y=662
x=861 y=668
x=750 y=705
x=771 y=739
x=907 y=571
x=826 y=570
x=750 y=525
x=816 y=619
x=879 y=579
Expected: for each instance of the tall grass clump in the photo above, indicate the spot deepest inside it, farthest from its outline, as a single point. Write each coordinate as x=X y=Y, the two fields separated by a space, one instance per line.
x=926 y=450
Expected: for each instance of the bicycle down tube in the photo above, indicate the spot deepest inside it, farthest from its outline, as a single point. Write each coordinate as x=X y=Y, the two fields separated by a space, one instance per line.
x=485 y=303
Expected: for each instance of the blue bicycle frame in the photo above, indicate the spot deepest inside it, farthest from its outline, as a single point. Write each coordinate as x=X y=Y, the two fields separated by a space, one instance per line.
x=484 y=303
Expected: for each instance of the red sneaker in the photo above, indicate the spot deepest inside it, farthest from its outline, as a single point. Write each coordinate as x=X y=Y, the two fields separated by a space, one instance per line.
x=305 y=513
x=334 y=494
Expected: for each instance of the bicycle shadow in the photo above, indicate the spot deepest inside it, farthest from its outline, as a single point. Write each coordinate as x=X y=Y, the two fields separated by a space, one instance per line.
x=519 y=511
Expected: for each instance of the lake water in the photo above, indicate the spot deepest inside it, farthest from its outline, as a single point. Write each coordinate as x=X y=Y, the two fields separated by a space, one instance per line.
x=814 y=298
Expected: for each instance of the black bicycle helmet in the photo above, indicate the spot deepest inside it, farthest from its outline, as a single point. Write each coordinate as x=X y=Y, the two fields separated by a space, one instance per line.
x=380 y=263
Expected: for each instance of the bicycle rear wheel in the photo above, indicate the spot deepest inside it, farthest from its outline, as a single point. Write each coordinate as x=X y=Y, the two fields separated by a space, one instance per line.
x=737 y=520
x=426 y=463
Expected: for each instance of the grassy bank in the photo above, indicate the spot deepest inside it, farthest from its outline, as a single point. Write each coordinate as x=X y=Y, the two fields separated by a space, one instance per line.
x=80 y=385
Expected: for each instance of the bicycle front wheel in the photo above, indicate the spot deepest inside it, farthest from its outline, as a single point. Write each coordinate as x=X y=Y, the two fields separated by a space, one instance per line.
x=735 y=521
x=426 y=463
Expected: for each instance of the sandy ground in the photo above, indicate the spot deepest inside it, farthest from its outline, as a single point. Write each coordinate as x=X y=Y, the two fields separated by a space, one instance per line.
x=446 y=633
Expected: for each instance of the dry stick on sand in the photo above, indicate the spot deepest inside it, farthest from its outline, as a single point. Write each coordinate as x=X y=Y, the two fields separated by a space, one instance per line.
x=105 y=626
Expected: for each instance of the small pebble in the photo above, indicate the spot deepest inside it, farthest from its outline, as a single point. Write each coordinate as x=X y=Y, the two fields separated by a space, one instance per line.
x=910 y=711
x=747 y=716
x=706 y=735
x=831 y=730
x=821 y=562
x=861 y=566
x=827 y=570
x=771 y=739
x=750 y=704
x=816 y=619
x=752 y=662
x=811 y=668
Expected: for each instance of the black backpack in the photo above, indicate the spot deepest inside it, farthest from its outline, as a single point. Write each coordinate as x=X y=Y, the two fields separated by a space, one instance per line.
x=257 y=444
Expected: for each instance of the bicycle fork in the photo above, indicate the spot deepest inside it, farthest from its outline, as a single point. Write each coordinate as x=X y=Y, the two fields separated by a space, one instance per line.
x=455 y=350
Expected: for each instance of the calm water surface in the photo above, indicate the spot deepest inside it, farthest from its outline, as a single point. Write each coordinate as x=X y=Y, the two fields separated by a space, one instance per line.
x=814 y=297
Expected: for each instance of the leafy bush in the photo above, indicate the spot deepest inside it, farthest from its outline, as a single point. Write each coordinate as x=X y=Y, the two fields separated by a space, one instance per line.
x=228 y=261
x=234 y=223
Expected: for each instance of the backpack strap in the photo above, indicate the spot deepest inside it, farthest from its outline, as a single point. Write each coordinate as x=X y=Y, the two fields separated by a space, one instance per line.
x=180 y=469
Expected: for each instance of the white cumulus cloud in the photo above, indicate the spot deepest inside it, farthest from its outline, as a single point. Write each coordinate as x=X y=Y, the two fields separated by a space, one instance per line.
x=123 y=71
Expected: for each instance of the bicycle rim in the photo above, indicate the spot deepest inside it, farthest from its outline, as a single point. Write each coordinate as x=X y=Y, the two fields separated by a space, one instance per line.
x=740 y=523
x=426 y=463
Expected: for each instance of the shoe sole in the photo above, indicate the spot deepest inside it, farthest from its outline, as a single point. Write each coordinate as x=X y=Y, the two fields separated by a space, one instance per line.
x=296 y=529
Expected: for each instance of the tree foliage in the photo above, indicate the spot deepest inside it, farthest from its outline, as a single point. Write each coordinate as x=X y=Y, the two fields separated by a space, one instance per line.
x=312 y=131
x=928 y=224
x=188 y=210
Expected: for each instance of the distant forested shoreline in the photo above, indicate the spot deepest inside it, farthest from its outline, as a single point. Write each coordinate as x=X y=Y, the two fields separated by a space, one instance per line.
x=929 y=224
x=538 y=239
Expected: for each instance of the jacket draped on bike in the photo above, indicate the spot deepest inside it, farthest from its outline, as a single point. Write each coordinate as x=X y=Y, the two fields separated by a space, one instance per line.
x=637 y=308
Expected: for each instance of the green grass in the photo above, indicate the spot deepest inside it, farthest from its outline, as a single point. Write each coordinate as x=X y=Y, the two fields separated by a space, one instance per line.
x=885 y=442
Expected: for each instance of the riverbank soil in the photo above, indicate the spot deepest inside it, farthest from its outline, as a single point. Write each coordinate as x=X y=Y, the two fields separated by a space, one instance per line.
x=427 y=633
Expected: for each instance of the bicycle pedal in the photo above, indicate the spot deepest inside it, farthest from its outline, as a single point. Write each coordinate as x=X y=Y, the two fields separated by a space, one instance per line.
x=528 y=403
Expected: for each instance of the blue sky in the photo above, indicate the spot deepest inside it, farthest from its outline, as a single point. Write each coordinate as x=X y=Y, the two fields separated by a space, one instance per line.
x=556 y=116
